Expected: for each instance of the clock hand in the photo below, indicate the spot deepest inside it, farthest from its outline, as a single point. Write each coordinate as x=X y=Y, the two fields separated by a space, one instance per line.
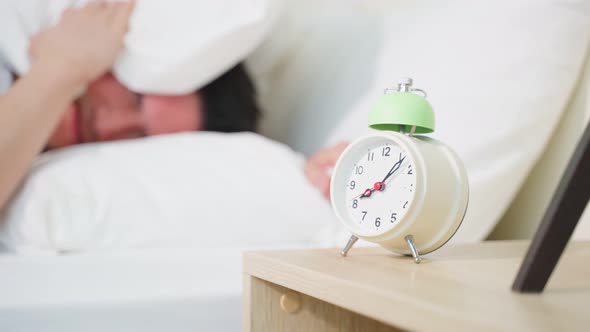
x=378 y=186
x=394 y=168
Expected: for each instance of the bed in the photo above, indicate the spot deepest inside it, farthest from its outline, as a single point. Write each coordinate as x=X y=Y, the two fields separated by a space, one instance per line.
x=120 y=284
x=147 y=290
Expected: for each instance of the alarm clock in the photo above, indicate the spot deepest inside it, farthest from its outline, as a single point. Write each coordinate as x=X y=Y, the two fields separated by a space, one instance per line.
x=397 y=187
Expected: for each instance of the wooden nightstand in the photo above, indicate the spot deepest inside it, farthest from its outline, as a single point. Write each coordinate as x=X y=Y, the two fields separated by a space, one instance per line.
x=458 y=288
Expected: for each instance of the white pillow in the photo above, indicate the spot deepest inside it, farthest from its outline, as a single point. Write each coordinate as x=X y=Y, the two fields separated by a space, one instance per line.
x=172 y=47
x=205 y=190
x=498 y=74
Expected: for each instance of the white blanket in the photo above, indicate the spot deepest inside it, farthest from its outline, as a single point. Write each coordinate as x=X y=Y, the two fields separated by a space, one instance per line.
x=498 y=74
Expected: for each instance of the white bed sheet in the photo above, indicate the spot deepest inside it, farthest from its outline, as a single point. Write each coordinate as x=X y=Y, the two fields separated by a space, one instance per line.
x=144 y=290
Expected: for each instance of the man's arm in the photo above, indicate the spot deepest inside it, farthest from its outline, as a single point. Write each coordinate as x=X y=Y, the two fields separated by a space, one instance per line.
x=28 y=113
x=81 y=47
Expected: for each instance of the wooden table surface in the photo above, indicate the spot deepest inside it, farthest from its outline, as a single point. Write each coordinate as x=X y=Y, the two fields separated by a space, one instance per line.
x=457 y=288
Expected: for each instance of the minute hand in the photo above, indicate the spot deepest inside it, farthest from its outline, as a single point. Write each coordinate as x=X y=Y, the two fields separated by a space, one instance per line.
x=393 y=169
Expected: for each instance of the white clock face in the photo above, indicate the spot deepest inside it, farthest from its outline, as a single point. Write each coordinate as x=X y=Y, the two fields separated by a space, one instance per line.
x=380 y=187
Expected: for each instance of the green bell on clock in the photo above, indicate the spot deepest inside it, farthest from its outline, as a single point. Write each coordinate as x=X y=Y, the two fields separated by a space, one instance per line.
x=404 y=109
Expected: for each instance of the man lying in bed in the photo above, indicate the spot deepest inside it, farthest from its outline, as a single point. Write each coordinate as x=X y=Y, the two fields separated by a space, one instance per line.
x=41 y=111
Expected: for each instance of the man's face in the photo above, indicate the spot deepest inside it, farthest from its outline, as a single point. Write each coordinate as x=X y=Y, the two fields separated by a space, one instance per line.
x=109 y=111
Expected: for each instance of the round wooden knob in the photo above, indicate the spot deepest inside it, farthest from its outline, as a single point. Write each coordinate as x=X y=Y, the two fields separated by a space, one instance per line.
x=291 y=302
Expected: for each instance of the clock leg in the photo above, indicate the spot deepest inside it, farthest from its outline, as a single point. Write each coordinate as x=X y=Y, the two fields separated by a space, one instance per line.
x=349 y=245
x=412 y=245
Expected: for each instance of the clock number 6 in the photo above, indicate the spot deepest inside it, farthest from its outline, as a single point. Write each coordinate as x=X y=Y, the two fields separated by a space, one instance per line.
x=378 y=222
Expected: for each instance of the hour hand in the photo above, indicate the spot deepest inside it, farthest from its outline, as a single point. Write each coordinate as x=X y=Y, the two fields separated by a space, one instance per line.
x=378 y=186
x=366 y=193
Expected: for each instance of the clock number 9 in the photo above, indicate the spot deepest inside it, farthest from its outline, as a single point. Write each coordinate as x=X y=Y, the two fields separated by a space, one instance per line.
x=352 y=185
x=378 y=222
x=355 y=204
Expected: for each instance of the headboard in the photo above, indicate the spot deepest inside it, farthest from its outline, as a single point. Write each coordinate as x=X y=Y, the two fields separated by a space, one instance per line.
x=526 y=211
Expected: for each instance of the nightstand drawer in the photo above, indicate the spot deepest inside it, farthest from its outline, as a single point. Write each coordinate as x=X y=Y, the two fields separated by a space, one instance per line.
x=275 y=308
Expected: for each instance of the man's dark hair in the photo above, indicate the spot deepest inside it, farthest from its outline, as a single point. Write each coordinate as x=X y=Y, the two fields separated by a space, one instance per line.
x=230 y=102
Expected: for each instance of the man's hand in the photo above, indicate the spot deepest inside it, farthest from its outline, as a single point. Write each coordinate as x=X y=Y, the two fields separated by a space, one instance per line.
x=85 y=42
x=318 y=167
